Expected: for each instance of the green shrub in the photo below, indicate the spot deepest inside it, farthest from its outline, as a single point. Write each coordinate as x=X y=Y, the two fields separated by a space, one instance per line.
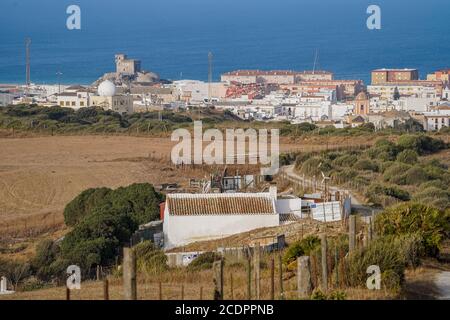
x=204 y=261
x=150 y=259
x=314 y=166
x=46 y=254
x=337 y=295
x=415 y=176
x=344 y=175
x=382 y=252
x=83 y=204
x=366 y=164
x=431 y=224
x=384 y=165
x=317 y=294
x=384 y=150
x=396 y=173
x=300 y=248
x=347 y=160
x=422 y=144
x=433 y=196
x=408 y=157
x=32 y=283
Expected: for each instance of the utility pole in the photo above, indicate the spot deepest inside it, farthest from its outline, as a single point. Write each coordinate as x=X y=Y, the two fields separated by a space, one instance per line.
x=59 y=74
x=210 y=72
x=27 y=54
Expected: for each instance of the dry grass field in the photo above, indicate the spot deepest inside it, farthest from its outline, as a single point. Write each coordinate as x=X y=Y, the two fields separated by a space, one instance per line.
x=39 y=175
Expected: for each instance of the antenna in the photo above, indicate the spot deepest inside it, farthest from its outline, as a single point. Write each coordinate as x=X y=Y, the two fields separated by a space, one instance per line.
x=316 y=57
x=27 y=45
x=59 y=74
x=210 y=72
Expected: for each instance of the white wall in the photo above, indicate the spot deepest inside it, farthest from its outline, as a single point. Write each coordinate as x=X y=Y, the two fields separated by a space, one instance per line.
x=181 y=230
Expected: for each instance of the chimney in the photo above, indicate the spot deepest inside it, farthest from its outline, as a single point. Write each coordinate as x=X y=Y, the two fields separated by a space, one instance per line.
x=273 y=192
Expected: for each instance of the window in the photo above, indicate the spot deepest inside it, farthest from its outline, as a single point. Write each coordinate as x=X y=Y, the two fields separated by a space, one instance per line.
x=73 y=104
x=67 y=103
x=81 y=103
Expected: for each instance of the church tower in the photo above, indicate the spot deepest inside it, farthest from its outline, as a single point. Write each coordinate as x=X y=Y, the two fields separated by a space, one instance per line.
x=362 y=104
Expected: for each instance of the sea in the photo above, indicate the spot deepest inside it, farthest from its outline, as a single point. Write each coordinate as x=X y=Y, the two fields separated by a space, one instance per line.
x=173 y=37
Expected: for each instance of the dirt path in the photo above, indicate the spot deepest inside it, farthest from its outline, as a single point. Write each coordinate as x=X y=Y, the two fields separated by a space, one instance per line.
x=290 y=171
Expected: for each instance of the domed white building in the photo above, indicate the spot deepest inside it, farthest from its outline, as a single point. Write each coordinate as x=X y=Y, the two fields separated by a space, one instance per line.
x=107 y=89
x=108 y=99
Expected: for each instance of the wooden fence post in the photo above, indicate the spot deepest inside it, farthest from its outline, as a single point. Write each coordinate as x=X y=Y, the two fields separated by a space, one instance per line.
x=336 y=266
x=67 y=294
x=303 y=277
x=105 y=289
x=201 y=293
x=280 y=265
x=257 y=267
x=98 y=273
x=160 y=291
x=129 y=274
x=231 y=284
x=324 y=249
x=182 y=292
x=272 y=279
x=218 y=280
x=249 y=279
x=352 y=233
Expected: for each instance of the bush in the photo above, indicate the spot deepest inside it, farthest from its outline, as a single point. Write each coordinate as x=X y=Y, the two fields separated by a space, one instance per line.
x=14 y=270
x=383 y=252
x=314 y=166
x=83 y=204
x=344 y=175
x=376 y=192
x=408 y=157
x=300 y=248
x=347 y=160
x=422 y=144
x=434 y=196
x=150 y=259
x=204 y=261
x=431 y=224
x=384 y=150
x=46 y=254
x=32 y=283
x=396 y=173
x=366 y=164
x=415 y=176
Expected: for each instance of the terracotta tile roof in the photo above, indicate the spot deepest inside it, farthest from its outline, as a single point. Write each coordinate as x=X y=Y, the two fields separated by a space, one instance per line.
x=221 y=204
x=272 y=72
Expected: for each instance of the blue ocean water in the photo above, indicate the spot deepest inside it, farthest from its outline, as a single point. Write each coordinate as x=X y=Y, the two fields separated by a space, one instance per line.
x=173 y=37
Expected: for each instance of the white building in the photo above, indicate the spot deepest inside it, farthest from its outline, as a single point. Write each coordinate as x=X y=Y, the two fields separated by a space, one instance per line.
x=386 y=91
x=340 y=111
x=109 y=100
x=414 y=104
x=197 y=92
x=446 y=93
x=74 y=97
x=437 y=119
x=196 y=217
x=312 y=111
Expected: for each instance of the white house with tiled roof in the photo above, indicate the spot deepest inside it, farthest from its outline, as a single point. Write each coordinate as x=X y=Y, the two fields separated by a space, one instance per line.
x=196 y=217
